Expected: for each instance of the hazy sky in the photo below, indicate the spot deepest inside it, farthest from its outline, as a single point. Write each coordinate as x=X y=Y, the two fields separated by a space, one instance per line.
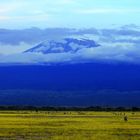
x=68 y=13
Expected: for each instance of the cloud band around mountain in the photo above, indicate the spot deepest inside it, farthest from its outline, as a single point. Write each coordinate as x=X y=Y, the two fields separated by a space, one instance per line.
x=115 y=45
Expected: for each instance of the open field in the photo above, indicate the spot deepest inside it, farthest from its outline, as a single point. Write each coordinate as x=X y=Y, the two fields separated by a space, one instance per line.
x=31 y=125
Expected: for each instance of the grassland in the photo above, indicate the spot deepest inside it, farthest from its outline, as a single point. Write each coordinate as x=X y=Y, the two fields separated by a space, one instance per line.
x=30 y=125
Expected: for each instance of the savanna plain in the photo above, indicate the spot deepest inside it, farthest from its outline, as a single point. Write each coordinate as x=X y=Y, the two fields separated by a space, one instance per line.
x=69 y=125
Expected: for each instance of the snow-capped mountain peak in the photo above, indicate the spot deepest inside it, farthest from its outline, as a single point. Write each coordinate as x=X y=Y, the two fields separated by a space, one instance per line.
x=66 y=45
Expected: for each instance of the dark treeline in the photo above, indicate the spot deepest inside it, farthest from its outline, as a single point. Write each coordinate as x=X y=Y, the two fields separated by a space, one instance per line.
x=47 y=108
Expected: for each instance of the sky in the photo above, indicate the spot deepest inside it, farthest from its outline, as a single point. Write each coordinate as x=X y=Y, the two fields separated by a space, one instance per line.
x=19 y=14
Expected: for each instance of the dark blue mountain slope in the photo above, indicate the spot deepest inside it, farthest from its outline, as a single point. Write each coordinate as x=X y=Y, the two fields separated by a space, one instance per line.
x=75 y=84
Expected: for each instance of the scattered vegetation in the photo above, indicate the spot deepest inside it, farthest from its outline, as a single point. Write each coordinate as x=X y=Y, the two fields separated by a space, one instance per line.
x=69 y=125
x=48 y=108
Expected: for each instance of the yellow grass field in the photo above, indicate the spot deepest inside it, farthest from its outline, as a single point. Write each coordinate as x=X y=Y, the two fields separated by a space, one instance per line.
x=30 y=125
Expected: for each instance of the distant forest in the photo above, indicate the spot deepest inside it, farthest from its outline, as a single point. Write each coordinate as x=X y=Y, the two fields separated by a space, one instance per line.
x=47 y=108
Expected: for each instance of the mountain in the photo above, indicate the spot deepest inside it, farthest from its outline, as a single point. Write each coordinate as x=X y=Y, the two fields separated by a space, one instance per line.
x=74 y=85
x=71 y=45
x=75 y=72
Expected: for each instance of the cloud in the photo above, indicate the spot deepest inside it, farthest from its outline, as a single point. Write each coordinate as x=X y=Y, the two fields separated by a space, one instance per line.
x=46 y=13
x=115 y=46
x=117 y=53
x=6 y=49
x=66 y=2
x=6 y=8
x=36 y=58
x=107 y=11
x=4 y=18
x=121 y=53
x=33 y=18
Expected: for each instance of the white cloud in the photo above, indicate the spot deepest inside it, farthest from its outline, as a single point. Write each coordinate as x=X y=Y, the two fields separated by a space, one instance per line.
x=111 y=49
x=4 y=18
x=119 y=53
x=106 y=11
x=7 y=8
x=36 y=58
x=13 y=49
x=65 y=2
